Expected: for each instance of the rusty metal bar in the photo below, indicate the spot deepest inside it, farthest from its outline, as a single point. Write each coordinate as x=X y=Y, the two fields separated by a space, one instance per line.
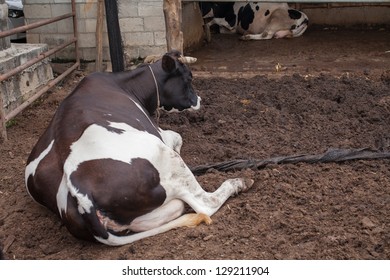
x=34 y=25
x=75 y=32
x=43 y=90
x=31 y=62
x=3 y=117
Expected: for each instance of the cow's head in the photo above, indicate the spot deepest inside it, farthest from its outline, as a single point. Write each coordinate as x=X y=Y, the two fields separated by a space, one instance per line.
x=177 y=92
x=300 y=22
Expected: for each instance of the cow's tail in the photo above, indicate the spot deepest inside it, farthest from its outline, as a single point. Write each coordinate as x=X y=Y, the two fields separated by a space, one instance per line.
x=95 y=225
x=84 y=203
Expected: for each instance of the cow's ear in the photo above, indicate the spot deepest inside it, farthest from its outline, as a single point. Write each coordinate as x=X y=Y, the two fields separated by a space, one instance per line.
x=168 y=63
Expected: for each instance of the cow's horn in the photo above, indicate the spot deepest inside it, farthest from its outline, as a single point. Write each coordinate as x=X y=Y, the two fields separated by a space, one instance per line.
x=187 y=59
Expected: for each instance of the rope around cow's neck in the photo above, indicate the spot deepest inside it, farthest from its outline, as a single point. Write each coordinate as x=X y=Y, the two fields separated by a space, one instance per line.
x=158 y=96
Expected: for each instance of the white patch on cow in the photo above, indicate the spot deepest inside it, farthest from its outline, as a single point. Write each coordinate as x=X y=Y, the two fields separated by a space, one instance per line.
x=187 y=220
x=62 y=196
x=172 y=139
x=33 y=165
x=159 y=216
x=209 y=14
x=197 y=106
x=226 y=27
x=84 y=203
x=301 y=28
x=142 y=110
x=99 y=143
x=282 y=34
x=192 y=108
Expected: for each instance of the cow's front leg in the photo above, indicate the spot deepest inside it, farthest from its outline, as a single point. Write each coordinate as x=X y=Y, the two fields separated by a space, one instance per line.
x=180 y=183
x=224 y=26
x=262 y=36
x=172 y=139
x=183 y=185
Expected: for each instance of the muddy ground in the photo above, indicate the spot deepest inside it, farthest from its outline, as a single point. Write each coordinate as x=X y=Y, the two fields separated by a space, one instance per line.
x=332 y=89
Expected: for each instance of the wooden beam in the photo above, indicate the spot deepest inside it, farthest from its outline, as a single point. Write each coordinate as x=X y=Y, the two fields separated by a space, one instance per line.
x=173 y=19
x=3 y=128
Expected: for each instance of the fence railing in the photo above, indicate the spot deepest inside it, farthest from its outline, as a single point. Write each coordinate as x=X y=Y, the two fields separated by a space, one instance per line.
x=5 y=117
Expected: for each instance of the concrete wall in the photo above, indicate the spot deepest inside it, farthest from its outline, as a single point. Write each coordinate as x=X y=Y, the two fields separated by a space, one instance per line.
x=349 y=16
x=18 y=88
x=141 y=21
x=21 y=86
x=142 y=26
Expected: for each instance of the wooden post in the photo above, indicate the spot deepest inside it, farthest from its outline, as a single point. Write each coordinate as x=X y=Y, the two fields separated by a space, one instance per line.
x=173 y=20
x=99 y=36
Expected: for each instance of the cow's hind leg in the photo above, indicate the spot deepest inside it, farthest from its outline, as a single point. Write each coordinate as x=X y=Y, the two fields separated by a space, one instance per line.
x=161 y=215
x=187 y=220
x=209 y=203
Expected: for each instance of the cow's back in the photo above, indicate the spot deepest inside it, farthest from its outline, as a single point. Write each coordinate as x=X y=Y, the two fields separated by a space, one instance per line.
x=97 y=100
x=253 y=18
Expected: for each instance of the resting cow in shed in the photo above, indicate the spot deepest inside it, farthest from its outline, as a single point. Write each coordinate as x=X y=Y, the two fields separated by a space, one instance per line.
x=106 y=168
x=254 y=20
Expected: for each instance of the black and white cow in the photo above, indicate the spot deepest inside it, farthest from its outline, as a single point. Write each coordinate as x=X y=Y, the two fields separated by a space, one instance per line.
x=254 y=20
x=106 y=168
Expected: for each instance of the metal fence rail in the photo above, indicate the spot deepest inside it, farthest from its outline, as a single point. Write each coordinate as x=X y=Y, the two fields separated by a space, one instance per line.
x=4 y=76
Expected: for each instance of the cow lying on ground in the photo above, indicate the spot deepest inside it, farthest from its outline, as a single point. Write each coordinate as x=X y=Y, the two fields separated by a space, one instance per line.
x=254 y=20
x=109 y=171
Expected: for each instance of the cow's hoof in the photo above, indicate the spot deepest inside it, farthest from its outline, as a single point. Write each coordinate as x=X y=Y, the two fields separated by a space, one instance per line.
x=245 y=38
x=248 y=184
x=245 y=184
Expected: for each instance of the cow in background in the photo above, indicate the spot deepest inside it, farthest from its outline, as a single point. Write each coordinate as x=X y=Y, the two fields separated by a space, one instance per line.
x=254 y=20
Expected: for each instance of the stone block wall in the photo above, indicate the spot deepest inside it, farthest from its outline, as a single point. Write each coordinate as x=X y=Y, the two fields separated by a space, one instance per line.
x=142 y=26
x=20 y=87
x=141 y=21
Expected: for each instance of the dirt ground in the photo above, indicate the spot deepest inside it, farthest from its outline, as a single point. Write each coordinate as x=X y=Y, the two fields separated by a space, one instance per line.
x=332 y=90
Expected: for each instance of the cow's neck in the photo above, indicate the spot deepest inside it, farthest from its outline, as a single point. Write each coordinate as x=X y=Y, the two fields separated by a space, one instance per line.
x=142 y=85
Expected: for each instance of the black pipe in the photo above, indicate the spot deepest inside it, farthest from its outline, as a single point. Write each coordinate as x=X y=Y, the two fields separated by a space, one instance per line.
x=114 y=36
